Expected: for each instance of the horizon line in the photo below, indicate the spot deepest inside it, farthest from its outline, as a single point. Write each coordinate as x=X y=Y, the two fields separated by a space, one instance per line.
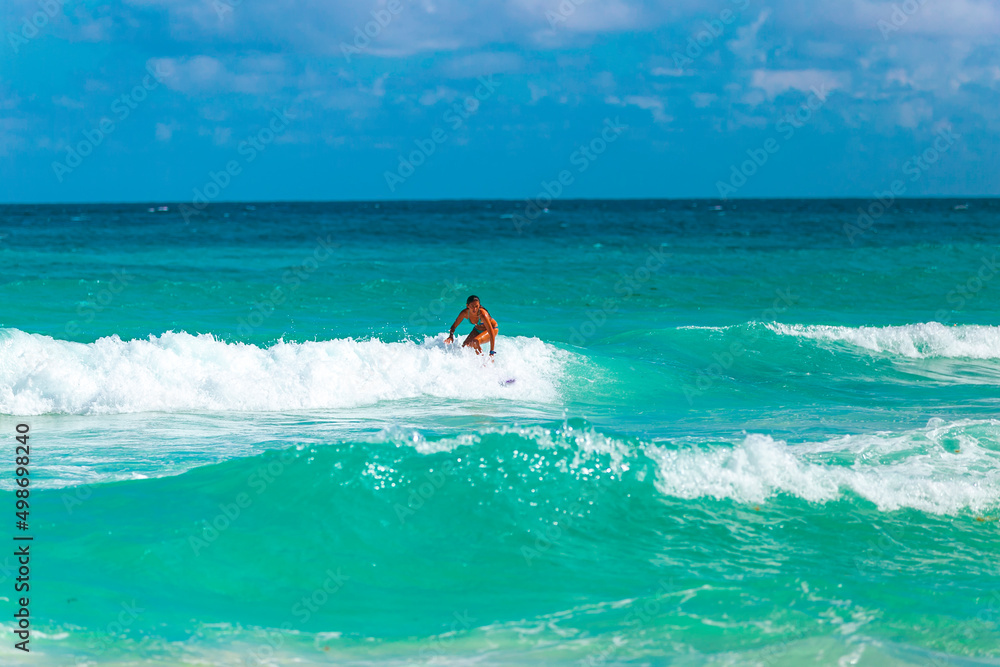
x=528 y=200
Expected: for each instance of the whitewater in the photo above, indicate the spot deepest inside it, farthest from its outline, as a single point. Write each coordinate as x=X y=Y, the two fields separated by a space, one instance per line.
x=184 y=372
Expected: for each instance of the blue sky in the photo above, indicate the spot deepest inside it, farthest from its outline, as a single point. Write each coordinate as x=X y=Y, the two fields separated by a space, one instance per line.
x=172 y=100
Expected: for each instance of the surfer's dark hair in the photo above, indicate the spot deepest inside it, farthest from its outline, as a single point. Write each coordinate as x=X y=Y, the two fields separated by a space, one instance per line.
x=471 y=299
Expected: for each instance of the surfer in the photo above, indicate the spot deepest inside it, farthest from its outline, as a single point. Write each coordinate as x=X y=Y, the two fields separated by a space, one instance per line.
x=483 y=326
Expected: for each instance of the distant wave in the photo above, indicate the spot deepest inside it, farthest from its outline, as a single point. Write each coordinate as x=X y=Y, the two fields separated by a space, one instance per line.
x=942 y=469
x=918 y=341
x=183 y=372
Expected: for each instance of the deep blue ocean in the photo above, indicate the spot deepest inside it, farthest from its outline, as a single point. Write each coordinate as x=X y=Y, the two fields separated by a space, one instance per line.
x=738 y=433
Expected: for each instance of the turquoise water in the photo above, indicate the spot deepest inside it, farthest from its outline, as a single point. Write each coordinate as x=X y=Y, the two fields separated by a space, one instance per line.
x=740 y=433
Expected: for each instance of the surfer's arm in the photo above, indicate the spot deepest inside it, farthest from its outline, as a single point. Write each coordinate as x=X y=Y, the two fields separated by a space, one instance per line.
x=458 y=320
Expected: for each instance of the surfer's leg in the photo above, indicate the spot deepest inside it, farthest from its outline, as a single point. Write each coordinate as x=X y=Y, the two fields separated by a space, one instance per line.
x=472 y=341
x=476 y=338
x=482 y=338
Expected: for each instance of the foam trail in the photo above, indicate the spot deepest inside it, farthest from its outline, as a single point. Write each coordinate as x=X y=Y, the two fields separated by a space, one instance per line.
x=181 y=372
x=917 y=341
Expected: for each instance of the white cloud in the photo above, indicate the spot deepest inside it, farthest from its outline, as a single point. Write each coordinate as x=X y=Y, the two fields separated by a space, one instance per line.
x=651 y=104
x=664 y=71
x=208 y=75
x=431 y=97
x=898 y=76
x=957 y=18
x=537 y=92
x=94 y=30
x=378 y=87
x=915 y=113
x=745 y=44
x=591 y=16
x=422 y=26
x=165 y=131
x=770 y=50
x=776 y=82
x=312 y=27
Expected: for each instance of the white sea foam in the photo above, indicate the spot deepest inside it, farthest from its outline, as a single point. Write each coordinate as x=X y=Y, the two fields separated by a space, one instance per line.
x=178 y=372
x=942 y=469
x=918 y=341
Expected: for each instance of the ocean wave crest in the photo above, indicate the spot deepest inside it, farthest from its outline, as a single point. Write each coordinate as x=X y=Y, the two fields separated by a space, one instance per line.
x=178 y=372
x=941 y=469
x=916 y=341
